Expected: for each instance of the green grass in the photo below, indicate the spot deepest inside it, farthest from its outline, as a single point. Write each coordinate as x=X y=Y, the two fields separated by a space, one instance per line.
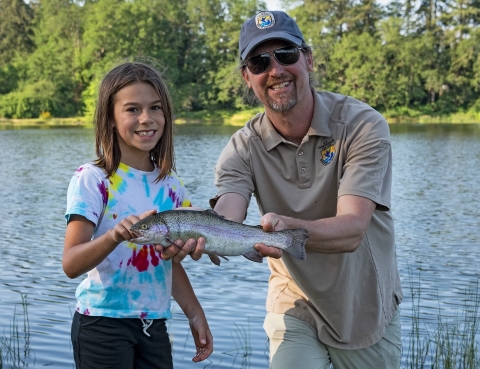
x=425 y=116
x=43 y=123
x=240 y=117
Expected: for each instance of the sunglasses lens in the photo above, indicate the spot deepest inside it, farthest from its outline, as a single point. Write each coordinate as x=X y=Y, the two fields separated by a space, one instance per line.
x=287 y=56
x=258 y=64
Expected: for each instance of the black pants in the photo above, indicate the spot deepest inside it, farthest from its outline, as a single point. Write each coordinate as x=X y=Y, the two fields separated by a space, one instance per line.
x=119 y=343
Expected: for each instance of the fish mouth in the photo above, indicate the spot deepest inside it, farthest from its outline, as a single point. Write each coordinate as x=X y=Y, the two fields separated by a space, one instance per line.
x=140 y=240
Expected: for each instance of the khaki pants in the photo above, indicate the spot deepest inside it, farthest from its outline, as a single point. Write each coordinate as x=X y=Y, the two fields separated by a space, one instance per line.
x=294 y=345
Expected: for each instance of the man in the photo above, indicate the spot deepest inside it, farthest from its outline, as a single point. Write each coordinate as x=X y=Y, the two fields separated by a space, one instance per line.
x=320 y=161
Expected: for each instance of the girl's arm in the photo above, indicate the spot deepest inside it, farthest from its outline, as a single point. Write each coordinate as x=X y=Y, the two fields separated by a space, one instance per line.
x=81 y=254
x=183 y=294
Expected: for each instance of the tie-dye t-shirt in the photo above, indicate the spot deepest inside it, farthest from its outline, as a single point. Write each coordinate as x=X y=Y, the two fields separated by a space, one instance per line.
x=133 y=281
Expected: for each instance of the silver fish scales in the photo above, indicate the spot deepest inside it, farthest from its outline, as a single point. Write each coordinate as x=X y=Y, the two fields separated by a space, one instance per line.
x=223 y=237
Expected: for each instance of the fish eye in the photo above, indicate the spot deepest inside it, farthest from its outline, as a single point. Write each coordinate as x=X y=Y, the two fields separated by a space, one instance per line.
x=144 y=226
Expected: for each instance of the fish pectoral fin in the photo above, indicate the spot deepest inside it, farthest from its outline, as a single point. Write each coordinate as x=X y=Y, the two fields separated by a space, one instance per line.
x=254 y=256
x=172 y=243
x=214 y=258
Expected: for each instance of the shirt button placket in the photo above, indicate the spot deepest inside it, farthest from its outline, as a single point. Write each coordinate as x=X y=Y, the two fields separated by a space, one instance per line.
x=302 y=168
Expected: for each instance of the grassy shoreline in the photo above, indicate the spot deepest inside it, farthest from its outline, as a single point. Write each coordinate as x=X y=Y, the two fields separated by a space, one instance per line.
x=231 y=118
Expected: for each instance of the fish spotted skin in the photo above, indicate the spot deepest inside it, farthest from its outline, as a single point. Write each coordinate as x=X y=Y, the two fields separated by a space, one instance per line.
x=223 y=237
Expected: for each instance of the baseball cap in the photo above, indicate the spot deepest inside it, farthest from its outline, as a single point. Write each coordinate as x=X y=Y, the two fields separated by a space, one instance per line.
x=268 y=25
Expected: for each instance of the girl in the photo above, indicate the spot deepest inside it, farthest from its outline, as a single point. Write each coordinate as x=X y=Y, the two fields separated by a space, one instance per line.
x=123 y=303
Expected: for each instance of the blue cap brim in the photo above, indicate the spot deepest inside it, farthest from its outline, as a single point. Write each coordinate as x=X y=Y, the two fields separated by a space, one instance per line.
x=270 y=36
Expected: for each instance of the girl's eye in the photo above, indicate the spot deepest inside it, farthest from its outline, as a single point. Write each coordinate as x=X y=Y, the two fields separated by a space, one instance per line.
x=157 y=107
x=132 y=110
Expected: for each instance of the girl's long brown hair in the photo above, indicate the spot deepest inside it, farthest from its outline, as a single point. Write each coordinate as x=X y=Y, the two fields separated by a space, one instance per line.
x=106 y=142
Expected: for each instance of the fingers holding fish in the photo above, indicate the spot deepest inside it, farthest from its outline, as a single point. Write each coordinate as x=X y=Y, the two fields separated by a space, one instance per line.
x=147 y=213
x=172 y=251
x=121 y=232
x=272 y=222
x=179 y=250
x=198 y=248
x=268 y=251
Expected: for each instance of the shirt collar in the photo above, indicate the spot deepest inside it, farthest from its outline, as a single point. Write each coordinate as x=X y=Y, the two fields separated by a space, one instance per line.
x=318 y=125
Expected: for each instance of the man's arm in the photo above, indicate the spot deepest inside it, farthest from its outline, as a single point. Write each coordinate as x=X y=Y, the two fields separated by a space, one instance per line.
x=339 y=234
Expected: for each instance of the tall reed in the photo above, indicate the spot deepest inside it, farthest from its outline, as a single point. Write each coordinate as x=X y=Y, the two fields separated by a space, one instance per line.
x=453 y=344
x=15 y=347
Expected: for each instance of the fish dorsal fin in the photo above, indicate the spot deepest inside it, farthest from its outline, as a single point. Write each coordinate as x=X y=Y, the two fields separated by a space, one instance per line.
x=214 y=213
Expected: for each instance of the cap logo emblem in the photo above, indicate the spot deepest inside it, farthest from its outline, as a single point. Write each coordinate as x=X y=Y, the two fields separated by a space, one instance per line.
x=264 y=20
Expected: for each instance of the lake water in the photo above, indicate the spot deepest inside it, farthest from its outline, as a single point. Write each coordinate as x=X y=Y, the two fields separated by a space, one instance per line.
x=434 y=202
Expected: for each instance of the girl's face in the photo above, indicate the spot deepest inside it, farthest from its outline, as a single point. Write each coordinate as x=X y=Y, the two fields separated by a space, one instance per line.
x=139 y=122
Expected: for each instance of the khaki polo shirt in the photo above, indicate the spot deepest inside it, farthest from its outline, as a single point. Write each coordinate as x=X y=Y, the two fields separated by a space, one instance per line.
x=348 y=298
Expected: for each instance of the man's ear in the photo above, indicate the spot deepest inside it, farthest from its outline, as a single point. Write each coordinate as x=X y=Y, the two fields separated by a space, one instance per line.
x=246 y=77
x=309 y=59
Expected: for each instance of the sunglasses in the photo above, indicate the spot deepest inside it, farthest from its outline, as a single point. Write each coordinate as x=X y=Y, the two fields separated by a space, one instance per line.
x=259 y=64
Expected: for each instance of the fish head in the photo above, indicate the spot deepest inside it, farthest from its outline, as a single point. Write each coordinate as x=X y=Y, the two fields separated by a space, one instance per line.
x=151 y=232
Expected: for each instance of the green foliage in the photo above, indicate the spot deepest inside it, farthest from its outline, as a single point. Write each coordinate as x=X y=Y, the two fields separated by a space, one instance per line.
x=15 y=29
x=422 y=56
x=32 y=100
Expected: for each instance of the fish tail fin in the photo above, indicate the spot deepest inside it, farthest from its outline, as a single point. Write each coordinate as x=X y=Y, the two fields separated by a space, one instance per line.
x=297 y=246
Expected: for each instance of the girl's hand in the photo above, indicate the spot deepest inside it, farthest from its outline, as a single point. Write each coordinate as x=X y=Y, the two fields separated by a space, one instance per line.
x=202 y=337
x=121 y=231
x=180 y=250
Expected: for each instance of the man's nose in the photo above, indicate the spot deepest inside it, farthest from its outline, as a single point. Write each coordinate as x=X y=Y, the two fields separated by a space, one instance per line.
x=275 y=67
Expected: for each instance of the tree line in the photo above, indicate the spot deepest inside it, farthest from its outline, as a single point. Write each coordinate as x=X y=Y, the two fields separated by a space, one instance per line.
x=422 y=55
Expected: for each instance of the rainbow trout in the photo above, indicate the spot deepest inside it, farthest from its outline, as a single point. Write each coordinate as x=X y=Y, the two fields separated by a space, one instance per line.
x=223 y=237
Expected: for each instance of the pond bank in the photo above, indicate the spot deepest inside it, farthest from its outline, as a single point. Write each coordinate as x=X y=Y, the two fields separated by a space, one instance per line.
x=227 y=118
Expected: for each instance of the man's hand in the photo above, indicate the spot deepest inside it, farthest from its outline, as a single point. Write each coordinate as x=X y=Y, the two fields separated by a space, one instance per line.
x=270 y=222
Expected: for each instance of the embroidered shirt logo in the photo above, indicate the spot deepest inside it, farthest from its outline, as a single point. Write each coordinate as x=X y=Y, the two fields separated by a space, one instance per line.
x=327 y=152
x=264 y=20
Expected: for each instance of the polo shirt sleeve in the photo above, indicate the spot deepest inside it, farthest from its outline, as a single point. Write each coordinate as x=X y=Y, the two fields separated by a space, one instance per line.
x=233 y=173
x=367 y=170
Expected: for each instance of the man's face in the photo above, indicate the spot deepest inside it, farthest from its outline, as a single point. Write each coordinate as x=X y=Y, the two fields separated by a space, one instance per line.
x=280 y=87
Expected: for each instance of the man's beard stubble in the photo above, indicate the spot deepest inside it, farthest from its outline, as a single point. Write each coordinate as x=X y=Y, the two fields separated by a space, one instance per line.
x=251 y=99
x=283 y=106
